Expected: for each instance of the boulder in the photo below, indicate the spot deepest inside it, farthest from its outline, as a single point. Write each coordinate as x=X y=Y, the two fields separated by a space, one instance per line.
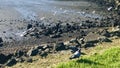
x=32 y=52
x=104 y=39
x=88 y=45
x=4 y=58
x=11 y=62
x=105 y=33
x=60 y=46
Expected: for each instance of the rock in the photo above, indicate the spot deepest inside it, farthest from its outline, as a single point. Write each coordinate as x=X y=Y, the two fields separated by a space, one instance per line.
x=105 y=33
x=40 y=51
x=55 y=36
x=4 y=58
x=39 y=47
x=19 y=53
x=81 y=41
x=32 y=52
x=1 y=42
x=60 y=46
x=45 y=46
x=20 y=60
x=29 y=60
x=29 y=26
x=88 y=45
x=73 y=40
x=91 y=37
x=43 y=54
x=47 y=50
x=11 y=62
x=76 y=42
x=2 y=66
x=104 y=39
x=118 y=12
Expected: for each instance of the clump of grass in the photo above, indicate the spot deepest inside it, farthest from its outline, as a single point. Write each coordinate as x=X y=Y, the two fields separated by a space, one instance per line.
x=108 y=59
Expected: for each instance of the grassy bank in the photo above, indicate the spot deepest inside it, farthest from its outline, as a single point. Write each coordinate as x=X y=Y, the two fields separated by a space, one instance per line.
x=105 y=56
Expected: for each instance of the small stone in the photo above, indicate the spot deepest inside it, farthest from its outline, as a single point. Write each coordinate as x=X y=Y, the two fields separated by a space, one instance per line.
x=29 y=60
x=1 y=42
x=43 y=54
x=73 y=40
x=11 y=62
x=45 y=47
x=29 y=26
x=55 y=36
x=32 y=52
x=20 y=60
x=19 y=53
x=47 y=50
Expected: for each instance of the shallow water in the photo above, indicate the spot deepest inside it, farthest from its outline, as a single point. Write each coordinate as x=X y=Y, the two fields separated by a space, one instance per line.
x=28 y=8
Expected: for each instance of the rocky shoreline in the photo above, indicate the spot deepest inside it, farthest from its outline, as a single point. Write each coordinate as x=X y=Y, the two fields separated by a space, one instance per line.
x=85 y=40
x=42 y=39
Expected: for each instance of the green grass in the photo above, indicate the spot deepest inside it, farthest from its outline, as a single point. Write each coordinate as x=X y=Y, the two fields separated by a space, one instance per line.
x=108 y=59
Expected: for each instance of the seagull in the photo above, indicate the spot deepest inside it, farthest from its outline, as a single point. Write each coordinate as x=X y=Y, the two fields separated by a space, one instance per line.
x=76 y=54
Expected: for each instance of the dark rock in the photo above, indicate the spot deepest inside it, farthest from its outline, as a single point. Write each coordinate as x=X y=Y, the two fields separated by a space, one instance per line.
x=39 y=47
x=1 y=42
x=105 y=33
x=11 y=62
x=43 y=54
x=29 y=60
x=60 y=46
x=55 y=36
x=29 y=26
x=40 y=51
x=19 y=53
x=104 y=39
x=32 y=52
x=4 y=58
x=89 y=45
x=116 y=33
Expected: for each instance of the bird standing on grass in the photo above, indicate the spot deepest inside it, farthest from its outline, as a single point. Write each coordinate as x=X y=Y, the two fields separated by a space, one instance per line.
x=76 y=54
